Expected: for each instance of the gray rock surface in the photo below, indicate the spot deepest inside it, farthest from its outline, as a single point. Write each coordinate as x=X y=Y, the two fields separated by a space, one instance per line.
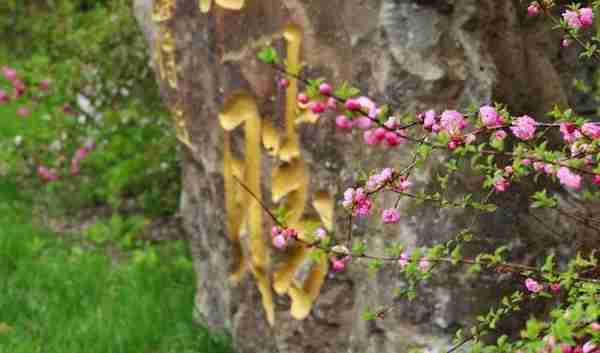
x=413 y=54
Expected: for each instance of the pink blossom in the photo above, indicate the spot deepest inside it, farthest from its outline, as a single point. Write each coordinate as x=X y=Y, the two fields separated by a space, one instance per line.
x=302 y=99
x=275 y=230
x=508 y=169
x=357 y=201
x=67 y=109
x=453 y=144
x=572 y=19
x=279 y=241
x=394 y=139
x=586 y=17
x=368 y=106
x=538 y=166
x=436 y=128
x=317 y=107
x=45 y=85
x=596 y=180
x=555 y=288
x=379 y=133
x=78 y=157
x=533 y=9
x=325 y=89
x=404 y=260
x=390 y=216
x=526 y=161
x=290 y=233
x=565 y=43
x=362 y=203
x=320 y=233
x=550 y=341
x=404 y=185
x=342 y=122
x=424 y=264
x=490 y=117
x=331 y=103
x=591 y=130
x=23 y=112
x=533 y=286
x=501 y=184
x=363 y=123
x=352 y=105
x=339 y=265
x=524 y=127
x=589 y=347
x=391 y=123
x=46 y=174
x=386 y=174
x=4 y=98
x=9 y=73
x=594 y=326
x=500 y=135
x=377 y=180
x=370 y=137
x=549 y=169
x=283 y=83
x=82 y=152
x=19 y=87
x=453 y=122
x=429 y=119
x=569 y=132
x=565 y=348
x=568 y=179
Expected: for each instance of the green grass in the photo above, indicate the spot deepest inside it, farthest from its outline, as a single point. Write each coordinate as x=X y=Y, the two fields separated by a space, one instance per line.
x=58 y=298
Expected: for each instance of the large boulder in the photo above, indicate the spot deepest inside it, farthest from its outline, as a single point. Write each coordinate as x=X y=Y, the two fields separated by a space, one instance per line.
x=236 y=123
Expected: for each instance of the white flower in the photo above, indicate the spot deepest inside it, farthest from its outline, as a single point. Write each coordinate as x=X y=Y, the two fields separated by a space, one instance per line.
x=81 y=119
x=18 y=140
x=56 y=146
x=340 y=249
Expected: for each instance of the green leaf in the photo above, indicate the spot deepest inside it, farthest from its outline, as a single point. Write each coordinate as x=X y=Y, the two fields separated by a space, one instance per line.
x=268 y=55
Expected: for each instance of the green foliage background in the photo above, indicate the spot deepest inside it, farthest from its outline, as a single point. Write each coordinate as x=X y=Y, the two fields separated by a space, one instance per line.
x=95 y=50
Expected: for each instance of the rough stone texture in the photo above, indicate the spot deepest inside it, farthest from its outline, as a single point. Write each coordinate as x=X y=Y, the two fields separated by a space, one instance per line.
x=413 y=54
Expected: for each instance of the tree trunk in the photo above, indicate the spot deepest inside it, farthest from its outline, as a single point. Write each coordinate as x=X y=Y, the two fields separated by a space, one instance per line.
x=236 y=123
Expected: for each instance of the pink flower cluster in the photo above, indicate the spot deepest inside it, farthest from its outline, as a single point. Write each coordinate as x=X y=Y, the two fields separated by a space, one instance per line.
x=450 y=122
x=591 y=130
x=533 y=286
x=524 y=127
x=501 y=184
x=424 y=263
x=390 y=137
x=339 y=264
x=533 y=9
x=18 y=89
x=581 y=18
x=568 y=179
x=282 y=236
x=320 y=233
x=378 y=180
x=390 y=216
x=357 y=201
x=47 y=174
x=490 y=117
x=79 y=156
x=570 y=132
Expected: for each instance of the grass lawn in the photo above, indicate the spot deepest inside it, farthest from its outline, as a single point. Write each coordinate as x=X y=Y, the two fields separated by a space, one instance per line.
x=57 y=298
